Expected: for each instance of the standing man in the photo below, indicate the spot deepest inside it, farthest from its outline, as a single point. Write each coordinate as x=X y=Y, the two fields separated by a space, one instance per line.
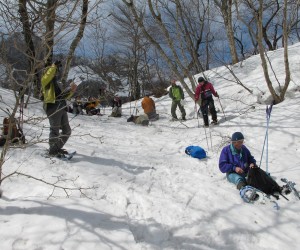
x=176 y=94
x=206 y=90
x=56 y=109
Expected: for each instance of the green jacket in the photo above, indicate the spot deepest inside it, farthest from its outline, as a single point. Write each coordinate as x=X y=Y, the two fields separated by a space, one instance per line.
x=176 y=93
x=48 y=87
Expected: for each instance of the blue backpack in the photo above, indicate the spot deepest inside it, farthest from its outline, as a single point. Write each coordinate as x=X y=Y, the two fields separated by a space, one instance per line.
x=196 y=152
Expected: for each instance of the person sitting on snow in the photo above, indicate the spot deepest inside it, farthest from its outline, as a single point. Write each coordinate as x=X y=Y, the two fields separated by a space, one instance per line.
x=117 y=107
x=91 y=105
x=78 y=106
x=142 y=119
x=149 y=108
x=236 y=160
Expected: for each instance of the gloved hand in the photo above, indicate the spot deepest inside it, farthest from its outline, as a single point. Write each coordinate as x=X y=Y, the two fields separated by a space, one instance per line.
x=58 y=63
x=217 y=94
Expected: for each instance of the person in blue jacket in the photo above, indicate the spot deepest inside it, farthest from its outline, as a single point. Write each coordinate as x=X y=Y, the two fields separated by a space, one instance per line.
x=236 y=160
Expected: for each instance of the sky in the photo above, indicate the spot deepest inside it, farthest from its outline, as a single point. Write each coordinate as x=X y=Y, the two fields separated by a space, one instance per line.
x=133 y=187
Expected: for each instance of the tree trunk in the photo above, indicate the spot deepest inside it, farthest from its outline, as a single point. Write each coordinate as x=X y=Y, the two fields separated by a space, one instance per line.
x=286 y=58
x=30 y=49
x=226 y=9
x=76 y=40
x=258 y=17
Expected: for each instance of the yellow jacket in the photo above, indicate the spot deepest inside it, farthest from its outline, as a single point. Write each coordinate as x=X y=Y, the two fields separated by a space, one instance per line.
x=48 y=87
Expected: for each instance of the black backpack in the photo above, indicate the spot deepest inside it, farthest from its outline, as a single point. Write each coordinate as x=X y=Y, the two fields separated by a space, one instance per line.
x=259 y=179
x=11 y=131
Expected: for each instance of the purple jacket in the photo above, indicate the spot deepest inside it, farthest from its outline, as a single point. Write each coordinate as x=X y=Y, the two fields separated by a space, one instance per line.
x=229 y=160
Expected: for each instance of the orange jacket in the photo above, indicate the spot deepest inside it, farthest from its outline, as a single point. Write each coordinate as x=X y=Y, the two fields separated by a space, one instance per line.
x=148 y=105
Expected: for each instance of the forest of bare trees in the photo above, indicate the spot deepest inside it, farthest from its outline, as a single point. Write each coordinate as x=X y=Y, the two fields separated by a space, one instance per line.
x=141 y=43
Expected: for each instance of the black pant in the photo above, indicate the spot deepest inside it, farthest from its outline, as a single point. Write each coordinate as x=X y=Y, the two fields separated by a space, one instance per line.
x=208 y=104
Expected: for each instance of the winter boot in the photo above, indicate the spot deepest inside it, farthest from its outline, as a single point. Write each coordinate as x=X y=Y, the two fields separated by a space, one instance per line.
x=240 y=185
x=214 y=122
x=62 y=151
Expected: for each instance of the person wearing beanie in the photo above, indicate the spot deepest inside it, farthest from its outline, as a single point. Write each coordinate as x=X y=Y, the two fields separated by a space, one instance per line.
x=205 y=90
x=236 y=160
x=176 y=94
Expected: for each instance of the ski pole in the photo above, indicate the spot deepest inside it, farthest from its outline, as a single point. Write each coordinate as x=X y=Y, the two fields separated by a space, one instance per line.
x=222 y=108
x=196 y=111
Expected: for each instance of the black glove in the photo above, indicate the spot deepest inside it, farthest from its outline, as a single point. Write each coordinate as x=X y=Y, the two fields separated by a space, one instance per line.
x=58 y=63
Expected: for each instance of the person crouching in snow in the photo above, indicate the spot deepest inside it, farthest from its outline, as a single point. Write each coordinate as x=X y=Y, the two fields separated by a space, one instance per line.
x=236 y=160
x=149 y=108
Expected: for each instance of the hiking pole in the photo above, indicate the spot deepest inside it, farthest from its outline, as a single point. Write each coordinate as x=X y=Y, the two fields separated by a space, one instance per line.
x=268 y=115
x=204 y=127
x=135 y=108
x=196 y=111
x=206 y=138
x=222 y=108
x=210 y=139
x=268 y=111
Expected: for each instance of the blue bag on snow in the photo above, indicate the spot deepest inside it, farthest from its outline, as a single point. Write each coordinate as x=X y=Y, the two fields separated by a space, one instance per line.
x=196 y=152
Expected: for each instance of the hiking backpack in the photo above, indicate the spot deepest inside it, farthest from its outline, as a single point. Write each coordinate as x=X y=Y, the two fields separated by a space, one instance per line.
x=11 y=131
x=259 y=179
x=196 y=152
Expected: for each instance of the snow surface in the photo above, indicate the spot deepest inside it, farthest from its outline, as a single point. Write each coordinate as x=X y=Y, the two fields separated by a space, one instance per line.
x=144 y=191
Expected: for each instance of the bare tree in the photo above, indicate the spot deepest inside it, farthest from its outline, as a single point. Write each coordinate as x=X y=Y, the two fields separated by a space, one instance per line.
x=51 y=21
x=225 y=7
x=258 y=13
x=130 y=38
x=168 y=41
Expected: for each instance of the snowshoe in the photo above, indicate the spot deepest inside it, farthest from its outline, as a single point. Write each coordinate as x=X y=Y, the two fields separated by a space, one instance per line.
x=248 y=194
x=63 y=155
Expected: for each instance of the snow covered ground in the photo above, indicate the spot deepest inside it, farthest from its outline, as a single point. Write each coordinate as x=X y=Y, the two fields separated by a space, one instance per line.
x=143 y=191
